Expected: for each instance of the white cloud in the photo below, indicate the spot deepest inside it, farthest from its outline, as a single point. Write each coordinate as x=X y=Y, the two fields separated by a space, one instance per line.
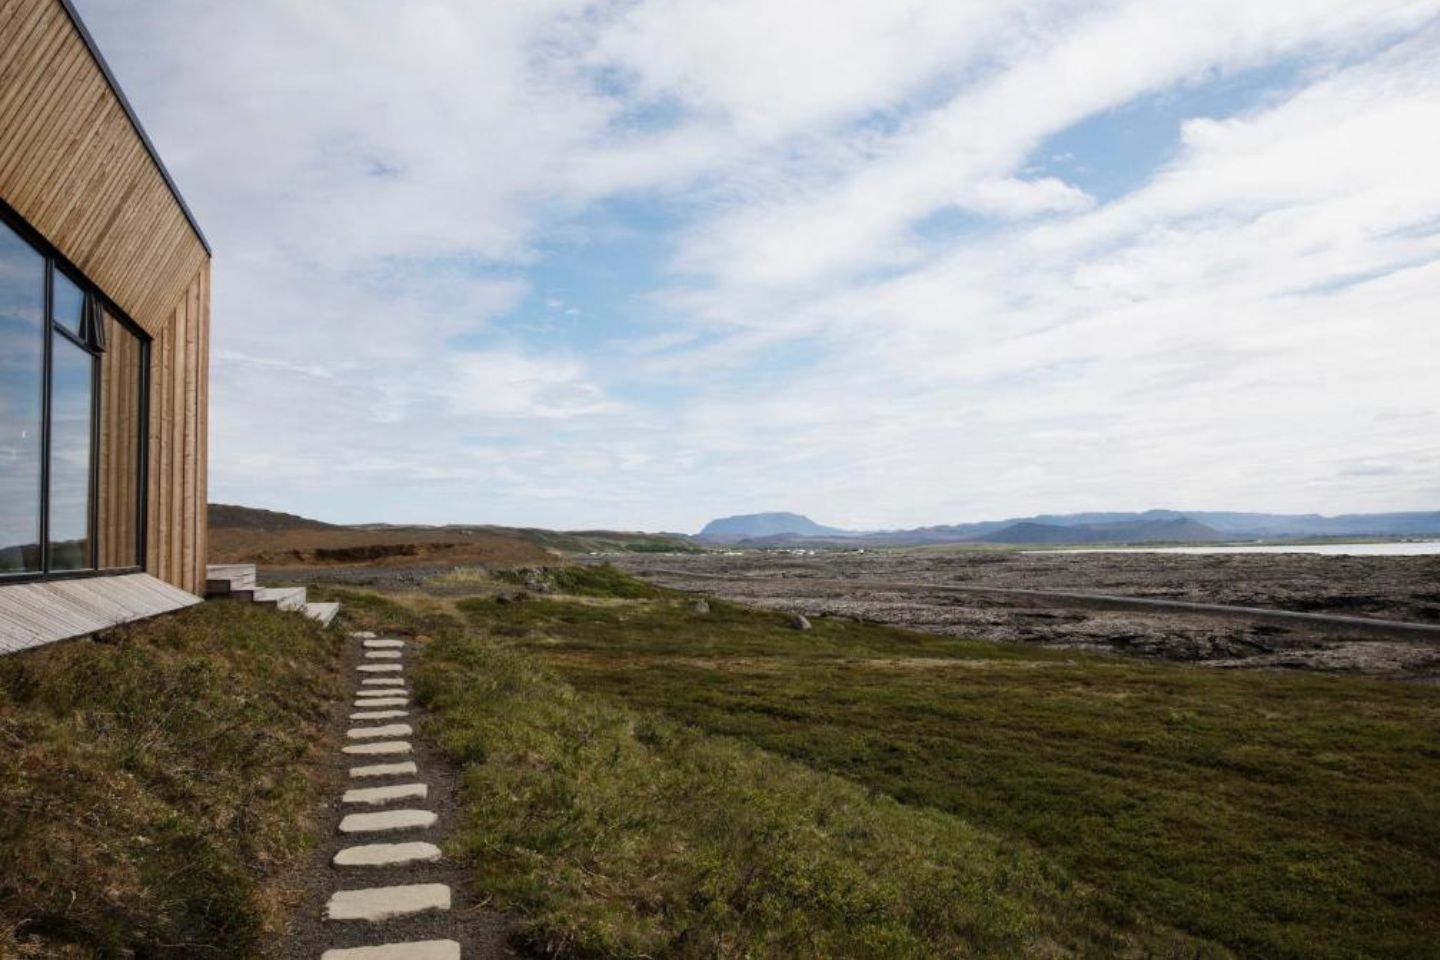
x=1249 y=326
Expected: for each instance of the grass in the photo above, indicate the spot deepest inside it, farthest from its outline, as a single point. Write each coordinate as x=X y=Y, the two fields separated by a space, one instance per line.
x=1272 y=815
x=154 y=786
x=619 y=834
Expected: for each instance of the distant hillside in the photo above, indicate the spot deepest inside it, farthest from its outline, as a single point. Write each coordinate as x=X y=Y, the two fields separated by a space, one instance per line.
x=750 y=526
x=1179 y=530
x=232 y=517
x=782 y=529
x=248 y=535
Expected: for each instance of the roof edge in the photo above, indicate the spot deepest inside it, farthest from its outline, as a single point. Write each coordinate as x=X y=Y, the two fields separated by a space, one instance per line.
x=99 y=59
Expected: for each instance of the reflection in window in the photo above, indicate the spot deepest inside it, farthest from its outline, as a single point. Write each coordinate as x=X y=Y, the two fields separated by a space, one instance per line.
x=67 y=305
x=22 y=344
x=71 y=381
x=119 y=484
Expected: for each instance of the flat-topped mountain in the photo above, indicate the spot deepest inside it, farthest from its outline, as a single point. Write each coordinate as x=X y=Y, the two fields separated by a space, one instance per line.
x=751 y=526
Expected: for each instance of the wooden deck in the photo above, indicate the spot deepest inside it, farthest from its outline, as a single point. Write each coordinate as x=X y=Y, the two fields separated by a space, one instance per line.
x=32 y=614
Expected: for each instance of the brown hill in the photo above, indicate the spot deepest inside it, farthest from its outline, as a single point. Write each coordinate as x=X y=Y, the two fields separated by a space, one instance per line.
x=266 y=537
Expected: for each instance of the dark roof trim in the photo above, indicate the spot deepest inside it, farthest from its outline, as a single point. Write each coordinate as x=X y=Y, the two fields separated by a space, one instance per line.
x=134 y=120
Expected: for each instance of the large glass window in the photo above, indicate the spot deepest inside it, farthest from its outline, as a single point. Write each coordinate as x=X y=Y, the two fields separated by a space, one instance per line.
x=72 y=420
x=72 y=381
x=22 y=368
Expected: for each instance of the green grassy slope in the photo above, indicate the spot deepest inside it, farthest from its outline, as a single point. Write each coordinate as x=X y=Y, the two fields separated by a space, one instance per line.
x=1279 y=815
x=154 y=785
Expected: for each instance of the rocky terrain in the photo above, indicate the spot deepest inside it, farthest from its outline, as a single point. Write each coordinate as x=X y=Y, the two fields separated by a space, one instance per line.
x=889 y=587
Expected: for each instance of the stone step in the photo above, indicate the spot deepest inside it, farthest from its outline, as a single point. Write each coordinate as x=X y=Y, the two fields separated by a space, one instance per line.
x=363 y=634
x=384 y=730
x=405 y=768
x=382 y=748
x=322 y=612
x=387 y=821
x=379 y=714
x=284 y=598
x=383 y=903
x=383 y=654
x=387 y=854
x=383 y=681
x=380 y=668
x=415 y=950
x=364 y=702
x=395 y=690
x=375 y=796
x=386 y=643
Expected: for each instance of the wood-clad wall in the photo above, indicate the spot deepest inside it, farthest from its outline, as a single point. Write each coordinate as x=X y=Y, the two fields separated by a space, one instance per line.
x=73 y=165
x=118 y=493
x=177 y=538
x=76 y=168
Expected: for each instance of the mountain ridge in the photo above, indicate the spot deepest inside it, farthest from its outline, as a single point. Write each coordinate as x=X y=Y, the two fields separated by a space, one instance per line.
x=1100 y=526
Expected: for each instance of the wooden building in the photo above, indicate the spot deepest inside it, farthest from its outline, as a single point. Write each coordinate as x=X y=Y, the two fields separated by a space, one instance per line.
x=104 y=344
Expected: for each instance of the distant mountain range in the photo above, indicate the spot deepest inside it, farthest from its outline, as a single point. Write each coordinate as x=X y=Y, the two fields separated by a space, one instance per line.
x=1150 y=526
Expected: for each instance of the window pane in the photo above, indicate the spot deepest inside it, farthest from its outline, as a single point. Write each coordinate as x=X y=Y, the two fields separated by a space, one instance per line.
x=119 y=486
x=70 y=390
x=22 y=358
x=68 y=305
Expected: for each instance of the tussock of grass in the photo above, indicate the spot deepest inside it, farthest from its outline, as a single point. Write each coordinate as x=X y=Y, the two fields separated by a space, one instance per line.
x=154 y=784
x=619 y=834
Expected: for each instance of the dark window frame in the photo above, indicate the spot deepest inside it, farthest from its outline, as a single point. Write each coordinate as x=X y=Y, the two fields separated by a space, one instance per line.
x=55 y=260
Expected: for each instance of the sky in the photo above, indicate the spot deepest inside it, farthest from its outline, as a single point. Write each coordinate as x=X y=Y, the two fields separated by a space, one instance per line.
x=639 y=264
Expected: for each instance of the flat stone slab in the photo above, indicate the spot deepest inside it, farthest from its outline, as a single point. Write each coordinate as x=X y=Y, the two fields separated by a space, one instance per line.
x=382 y=903
x=415 y=950
x=382 y=702
x=381 y=748
x=397 y=691
x=385 y=644
x=405 y=768
x=362 y=634
x=386 y=821
x=384 y=730
x=379 y=714
x=380 y=668
x=381 y=681
x=383 y=654
x=374 y=796
x=387 y=854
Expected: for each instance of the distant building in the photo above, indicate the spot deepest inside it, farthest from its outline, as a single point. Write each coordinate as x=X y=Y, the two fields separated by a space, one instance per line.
x=104 y=346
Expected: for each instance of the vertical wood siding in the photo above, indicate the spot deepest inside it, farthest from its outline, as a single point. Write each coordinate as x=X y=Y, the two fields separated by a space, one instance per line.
x=73 y=165
x=176 y=541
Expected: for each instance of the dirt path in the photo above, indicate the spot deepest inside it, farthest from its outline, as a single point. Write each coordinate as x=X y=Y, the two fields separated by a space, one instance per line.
x=460 y=929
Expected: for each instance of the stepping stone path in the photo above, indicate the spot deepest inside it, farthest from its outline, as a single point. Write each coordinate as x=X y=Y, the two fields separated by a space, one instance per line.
x=390 y=798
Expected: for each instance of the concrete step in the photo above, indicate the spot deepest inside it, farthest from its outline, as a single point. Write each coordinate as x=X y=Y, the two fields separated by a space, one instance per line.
x=284 y=598
x=404 y=769
x=229 y=579
x=379 y=796
x=387 y=855
x=378 y=904
x=382 y=732
x=415 y=950
x=323 y=612
x=387 y=821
